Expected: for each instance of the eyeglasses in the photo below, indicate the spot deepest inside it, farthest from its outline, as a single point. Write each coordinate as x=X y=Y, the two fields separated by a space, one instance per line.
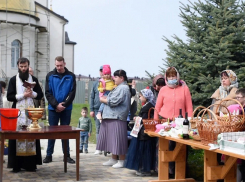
x=238 y=98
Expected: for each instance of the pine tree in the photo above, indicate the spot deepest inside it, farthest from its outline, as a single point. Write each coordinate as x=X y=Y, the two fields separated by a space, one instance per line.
x=216 y=41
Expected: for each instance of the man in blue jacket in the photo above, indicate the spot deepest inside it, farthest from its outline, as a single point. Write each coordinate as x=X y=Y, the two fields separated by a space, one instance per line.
x=95 y=105
x=60 y=91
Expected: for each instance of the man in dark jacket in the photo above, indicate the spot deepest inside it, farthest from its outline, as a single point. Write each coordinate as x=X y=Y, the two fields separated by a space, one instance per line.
x=22 y=97
x=95 y=105
x=60 y=91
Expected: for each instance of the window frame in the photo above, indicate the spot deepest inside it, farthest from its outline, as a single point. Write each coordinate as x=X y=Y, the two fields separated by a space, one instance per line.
x=15 y=55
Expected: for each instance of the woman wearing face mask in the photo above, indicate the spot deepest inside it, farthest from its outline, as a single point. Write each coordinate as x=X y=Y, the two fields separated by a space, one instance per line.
x=227 y=90
x=174 y=96
x=171 y=98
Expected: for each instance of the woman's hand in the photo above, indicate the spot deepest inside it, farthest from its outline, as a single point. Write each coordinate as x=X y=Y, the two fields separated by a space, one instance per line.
x=103 y=99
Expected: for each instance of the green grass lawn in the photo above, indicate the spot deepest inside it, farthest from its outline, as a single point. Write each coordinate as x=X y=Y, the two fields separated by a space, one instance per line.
x=76 y=114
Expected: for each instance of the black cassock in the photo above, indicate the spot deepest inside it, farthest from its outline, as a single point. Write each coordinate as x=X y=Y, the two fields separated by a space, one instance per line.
x=28 y=163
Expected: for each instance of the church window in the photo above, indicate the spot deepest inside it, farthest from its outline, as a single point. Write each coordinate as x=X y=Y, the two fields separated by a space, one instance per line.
x=15 y=53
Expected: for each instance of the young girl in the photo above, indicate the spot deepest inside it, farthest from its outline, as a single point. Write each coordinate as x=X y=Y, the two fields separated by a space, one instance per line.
x=142 y=150
x=106 y=84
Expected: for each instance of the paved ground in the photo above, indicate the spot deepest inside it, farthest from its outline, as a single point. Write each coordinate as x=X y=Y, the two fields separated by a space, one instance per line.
x=91 y=169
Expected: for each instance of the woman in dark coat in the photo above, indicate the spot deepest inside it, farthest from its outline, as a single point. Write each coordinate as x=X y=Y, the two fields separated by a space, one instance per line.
x=142 y=150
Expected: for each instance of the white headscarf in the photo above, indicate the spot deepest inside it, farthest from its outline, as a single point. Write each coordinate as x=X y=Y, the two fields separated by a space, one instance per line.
x=148 y=94
x=224 y=91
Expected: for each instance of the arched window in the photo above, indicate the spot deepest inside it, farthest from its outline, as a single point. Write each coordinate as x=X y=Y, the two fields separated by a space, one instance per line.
x=15 y=53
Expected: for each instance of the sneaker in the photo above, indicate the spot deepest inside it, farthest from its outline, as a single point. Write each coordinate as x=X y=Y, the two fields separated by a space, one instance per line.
x=47 y=159
x=111 y=162
x=119 y=164
x=141 y=173
x=98 y=152
x=86 y=151
x=70 y=160
x=81 y=151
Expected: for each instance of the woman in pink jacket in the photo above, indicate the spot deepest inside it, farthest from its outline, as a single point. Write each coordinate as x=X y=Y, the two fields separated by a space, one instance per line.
x=171 y=98
x=174 y=96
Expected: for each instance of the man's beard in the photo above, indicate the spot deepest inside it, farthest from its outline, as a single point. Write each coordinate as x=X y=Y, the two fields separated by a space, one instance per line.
x=24 y=76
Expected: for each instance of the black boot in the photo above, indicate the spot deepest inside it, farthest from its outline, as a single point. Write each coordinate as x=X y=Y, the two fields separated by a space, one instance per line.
x=47 y=159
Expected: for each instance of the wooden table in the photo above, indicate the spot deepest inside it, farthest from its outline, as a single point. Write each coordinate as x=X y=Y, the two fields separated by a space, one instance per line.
x=212 y=171
x=47 y=132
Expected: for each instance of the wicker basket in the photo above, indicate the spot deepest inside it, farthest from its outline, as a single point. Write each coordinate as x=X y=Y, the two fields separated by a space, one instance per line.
x=150 y=124
x=237 y=121
x=210 y=129
x=194 y=119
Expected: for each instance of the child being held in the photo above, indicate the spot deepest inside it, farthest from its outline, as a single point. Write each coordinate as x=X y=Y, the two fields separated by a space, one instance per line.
x=85 y=125
x=106 y=84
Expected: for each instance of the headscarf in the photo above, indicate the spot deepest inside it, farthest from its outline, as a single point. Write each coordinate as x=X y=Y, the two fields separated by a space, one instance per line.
x=179 y=82
x=224 y=91
x=155 y=80
x=148 y=94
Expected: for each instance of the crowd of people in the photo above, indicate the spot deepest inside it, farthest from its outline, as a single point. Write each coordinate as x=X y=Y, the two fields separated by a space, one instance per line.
x=112 y=104
x=60 y=90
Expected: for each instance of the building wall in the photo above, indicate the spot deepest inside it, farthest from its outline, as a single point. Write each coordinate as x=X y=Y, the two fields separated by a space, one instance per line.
x=10 y=32
x=43 y=16
x=69 y=56
x=43 y=2
x=56 y=39
x=28 y=36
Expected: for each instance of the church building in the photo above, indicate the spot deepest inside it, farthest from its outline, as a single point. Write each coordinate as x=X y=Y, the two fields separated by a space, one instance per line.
x=29 y=28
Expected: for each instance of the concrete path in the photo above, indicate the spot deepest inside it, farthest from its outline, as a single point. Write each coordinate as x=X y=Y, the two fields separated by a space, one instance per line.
x=91 y=169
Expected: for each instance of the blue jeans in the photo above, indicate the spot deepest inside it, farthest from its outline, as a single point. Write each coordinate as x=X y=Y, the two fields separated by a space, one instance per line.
x=54 y=117
x=97 y=124
x=102 y=105
x=84 y=140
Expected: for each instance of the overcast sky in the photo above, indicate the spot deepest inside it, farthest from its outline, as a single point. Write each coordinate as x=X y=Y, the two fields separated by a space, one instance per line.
x=126 y=34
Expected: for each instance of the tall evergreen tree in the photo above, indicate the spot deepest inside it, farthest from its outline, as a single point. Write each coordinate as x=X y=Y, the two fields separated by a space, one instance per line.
x=216 y=41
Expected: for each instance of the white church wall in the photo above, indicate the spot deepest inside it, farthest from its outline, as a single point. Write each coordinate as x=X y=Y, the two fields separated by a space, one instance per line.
x=16 y=17
x=56 y=34
x=43 y=16
x=43 y=2
x=69 y=56
x=24 y=34
x=28 y=35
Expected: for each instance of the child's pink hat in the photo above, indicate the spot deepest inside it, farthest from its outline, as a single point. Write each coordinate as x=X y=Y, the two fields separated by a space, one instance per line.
x=106 y=69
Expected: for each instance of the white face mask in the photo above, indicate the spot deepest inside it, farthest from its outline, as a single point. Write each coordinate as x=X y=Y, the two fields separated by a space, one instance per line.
x=172 y=82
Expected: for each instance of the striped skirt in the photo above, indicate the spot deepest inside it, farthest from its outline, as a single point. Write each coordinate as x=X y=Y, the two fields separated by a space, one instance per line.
x=113 y=137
